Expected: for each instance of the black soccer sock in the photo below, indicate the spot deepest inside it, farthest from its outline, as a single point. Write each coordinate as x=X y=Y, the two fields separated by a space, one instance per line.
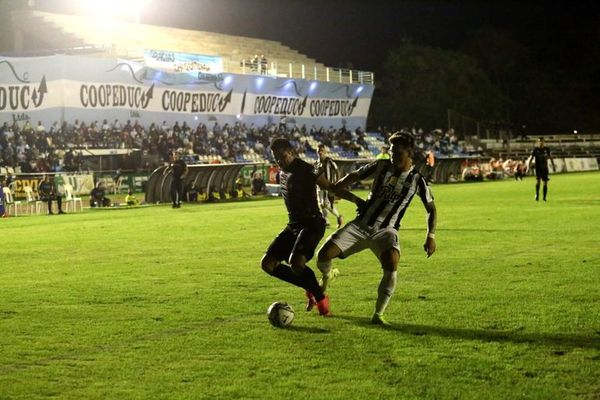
x=310 y=283
x=537 y=190
x=285 y=273
x=545 y=191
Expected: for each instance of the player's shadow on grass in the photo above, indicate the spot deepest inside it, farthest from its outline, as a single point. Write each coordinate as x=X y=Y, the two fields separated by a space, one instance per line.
x=564 y=340
x=307 y=329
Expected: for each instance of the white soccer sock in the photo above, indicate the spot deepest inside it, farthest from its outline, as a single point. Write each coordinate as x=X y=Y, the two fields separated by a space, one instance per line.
x=325 y=268
x=385 y=290
x=335 y=212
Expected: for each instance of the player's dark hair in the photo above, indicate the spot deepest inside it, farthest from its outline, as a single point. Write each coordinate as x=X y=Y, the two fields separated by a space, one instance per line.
x=280 y=144
x=403 y=139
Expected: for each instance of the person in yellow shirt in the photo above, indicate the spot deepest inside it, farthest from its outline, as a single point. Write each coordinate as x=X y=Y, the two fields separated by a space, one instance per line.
x=130 y=199
x=385 y=153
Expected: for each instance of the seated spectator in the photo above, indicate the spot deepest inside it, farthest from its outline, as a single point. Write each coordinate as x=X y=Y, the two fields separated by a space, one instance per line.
x=98 y=198
x=47 y=191
x=258 y=185
x=385 y=153
x=130 y=199
x=520 y=170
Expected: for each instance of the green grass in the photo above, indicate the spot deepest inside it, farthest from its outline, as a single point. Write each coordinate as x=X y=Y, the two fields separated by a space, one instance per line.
x=156 y=303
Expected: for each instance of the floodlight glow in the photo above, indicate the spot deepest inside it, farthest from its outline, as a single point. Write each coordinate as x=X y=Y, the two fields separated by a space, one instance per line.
x=116 y=8
x=360 y=89
x=227 y=80
x=259 y=82
x=312 y=86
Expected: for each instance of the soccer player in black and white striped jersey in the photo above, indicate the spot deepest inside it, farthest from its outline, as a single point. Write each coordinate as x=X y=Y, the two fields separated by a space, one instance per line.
x=329 y=168
x=376 y=225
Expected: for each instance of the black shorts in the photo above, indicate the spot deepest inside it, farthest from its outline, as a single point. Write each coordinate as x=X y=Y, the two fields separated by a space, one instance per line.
x=542 y=173
x=298 y=239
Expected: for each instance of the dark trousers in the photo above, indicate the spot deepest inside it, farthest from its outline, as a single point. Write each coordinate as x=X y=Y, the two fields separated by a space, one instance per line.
x=176 y=191
x=58 y=202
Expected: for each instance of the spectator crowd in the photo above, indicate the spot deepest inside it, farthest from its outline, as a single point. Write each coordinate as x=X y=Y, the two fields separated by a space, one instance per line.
x=41 y=149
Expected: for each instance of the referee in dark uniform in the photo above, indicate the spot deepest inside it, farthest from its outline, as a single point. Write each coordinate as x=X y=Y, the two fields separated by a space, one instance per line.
x=540 y=155
x=295 y=245
x=178 y=173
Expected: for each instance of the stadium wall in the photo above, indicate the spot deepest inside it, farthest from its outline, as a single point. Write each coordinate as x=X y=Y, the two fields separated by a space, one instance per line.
x=66 y=88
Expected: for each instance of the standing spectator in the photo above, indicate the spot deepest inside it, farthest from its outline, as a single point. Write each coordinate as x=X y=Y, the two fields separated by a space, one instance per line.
x=540 y=156
x=263 y=64
x=3 y=213
x=178 y=173
x=254 y=63
x=48 y=192
x=430 y=163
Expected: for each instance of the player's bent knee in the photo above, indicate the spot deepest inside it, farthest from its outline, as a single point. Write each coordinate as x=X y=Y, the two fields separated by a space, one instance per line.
x=389 y=259
x=297 y=262
x=328 y=252
x=268 y=264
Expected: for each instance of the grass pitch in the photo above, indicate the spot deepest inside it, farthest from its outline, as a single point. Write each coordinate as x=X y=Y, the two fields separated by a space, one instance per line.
x=156 y=303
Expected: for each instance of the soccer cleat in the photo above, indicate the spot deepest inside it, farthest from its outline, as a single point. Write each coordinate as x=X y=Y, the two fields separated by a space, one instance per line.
x=61 y=212
x=378 y=319
x=311 y=302
x=332 y=275
x=323 y=306
x=340 y=221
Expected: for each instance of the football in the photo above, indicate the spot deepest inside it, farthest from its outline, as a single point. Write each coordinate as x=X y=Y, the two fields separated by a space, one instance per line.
x=280 y=314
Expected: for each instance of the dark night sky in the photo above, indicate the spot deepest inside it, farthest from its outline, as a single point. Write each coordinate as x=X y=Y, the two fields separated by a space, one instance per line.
x=338 y=32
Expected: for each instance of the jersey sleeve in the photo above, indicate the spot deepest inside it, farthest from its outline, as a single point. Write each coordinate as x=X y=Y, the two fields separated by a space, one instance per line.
x=424 y=190
x=367 y=170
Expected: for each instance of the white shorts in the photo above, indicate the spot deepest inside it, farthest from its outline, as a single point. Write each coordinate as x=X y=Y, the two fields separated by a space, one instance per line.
x=353 y=238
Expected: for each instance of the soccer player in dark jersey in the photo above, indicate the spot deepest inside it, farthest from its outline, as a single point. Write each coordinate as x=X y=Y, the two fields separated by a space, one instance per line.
x=178 y=173
x=296 y=243
x=329 y=168
x=540 y=155
x=376 y=225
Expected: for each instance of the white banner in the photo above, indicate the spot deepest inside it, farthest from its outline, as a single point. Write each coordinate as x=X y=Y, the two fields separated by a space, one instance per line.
x=171 y=61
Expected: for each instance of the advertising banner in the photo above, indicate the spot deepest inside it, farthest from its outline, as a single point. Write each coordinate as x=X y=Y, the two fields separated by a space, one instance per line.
x=66 y=88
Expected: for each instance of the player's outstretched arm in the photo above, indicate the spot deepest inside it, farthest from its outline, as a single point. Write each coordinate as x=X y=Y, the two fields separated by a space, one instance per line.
x=429 y=245
x=345 y=194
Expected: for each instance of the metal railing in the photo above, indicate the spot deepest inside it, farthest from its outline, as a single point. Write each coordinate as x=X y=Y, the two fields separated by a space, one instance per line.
x=310 y=72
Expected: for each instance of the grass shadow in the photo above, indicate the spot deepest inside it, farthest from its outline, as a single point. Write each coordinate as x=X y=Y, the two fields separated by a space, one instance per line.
x=307 y=329
x=486 y=335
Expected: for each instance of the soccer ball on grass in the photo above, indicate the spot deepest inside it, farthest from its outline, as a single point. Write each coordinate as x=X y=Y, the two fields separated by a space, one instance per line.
x=280 y=314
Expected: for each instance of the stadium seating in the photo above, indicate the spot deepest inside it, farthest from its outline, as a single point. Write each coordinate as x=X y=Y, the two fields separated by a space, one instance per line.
x=129 y=40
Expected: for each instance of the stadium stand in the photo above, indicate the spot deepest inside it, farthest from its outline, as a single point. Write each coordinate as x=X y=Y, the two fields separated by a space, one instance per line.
x=121 y=39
